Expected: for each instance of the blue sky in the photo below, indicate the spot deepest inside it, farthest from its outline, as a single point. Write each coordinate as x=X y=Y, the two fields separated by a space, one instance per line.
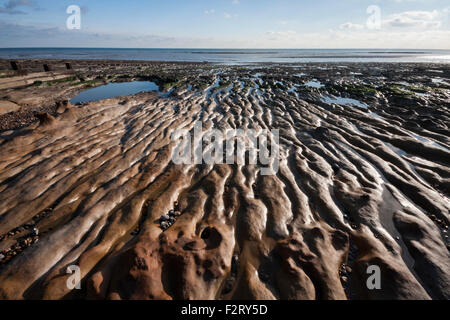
x=227 y=24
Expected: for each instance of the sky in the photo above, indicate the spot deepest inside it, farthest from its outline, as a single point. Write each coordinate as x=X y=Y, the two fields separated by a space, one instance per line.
x=409 y=24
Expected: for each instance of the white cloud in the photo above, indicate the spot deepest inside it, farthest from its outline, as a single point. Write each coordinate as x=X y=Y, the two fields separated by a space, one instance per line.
x=414 y=19
x=429 y=39
x=421 y=15
x=211 y=11
x=351 y=26
x=15 y=36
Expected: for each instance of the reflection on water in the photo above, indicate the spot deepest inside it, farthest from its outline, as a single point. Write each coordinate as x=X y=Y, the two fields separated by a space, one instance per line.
x=314 y=84
x=113 y=90
x=344 y=101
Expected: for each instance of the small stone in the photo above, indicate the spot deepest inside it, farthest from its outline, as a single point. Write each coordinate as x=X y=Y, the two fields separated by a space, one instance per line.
x=35 y=232
x=164 y=217
x=164 y=225
x=177 y=213
x=348 y=269
x=344 y=279
x=398 y=238
x=171 y=213
x=171 y=220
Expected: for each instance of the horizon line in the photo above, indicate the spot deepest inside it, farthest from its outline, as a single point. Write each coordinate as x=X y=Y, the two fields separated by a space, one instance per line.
x=204 y=48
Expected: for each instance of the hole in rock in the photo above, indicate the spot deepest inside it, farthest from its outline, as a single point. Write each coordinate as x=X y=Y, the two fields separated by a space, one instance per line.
x=206 y=234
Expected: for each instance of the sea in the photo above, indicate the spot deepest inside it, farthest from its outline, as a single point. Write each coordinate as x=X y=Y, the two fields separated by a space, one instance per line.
x=232 y=56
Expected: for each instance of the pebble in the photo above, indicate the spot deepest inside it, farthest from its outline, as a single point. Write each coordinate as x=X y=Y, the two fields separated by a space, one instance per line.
x=344 y=279
x=35 y=232
x=177 y=213
x=165 y=217
x=171 y=213
x=164 y=225
x=171 y=220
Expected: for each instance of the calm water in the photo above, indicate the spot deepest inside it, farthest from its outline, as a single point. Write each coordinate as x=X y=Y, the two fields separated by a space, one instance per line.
x=233 y=56
x=113 y=90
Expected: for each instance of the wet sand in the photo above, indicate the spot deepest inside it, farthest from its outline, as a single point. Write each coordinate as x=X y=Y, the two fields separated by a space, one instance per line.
x=361 y=184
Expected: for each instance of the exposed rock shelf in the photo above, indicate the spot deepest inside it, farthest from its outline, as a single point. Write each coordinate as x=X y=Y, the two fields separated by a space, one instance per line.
x=89 y=186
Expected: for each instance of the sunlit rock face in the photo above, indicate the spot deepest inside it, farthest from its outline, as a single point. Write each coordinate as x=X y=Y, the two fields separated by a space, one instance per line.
x=359 y=184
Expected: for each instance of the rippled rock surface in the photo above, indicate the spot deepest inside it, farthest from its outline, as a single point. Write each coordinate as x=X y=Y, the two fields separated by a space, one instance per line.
x=364 y=180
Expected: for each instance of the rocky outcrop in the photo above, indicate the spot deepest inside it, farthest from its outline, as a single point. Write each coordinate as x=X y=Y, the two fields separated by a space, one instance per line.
x=89 y=186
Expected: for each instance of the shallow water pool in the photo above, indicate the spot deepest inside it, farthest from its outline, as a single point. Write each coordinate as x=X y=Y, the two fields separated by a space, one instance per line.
x=112 y=90
x=314 y=84
x=344 y=101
